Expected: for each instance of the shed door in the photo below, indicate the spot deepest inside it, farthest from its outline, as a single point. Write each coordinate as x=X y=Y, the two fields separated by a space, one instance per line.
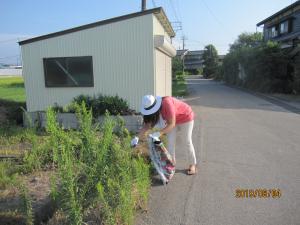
x=163 y=73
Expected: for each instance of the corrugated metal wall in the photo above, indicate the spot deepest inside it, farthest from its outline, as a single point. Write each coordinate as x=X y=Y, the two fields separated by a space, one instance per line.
x=162 y=65
x=163 y=74
x=122 y=62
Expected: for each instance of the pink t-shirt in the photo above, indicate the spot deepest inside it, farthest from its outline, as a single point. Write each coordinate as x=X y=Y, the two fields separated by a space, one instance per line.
x=172 y=107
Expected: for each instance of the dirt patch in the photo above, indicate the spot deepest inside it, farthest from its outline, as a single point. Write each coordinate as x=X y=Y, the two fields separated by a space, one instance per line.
x=38 y=185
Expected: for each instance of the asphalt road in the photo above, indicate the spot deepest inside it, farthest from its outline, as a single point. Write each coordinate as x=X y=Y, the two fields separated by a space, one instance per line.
x=242 y=142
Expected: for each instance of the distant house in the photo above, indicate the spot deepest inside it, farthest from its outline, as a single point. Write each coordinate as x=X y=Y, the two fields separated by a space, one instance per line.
x=283 y=26
x=129 y=56
x=193 y=60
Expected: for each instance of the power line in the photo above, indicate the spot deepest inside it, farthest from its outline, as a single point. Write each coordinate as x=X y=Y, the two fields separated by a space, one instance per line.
x=212 y=14
x=178 y=9
x=219 y=44
x=153 y=3
x=174 y=10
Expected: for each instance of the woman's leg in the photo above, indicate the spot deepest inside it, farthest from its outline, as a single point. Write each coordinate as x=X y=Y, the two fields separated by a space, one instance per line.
x=186 y=132
x=172 y=143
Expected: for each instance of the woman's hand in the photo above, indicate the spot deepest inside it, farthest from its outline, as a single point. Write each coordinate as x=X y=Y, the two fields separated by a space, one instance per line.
x=134 y=142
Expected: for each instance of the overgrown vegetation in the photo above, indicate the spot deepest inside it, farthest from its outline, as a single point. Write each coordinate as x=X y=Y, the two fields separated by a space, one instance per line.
x=97 y=169
x=26 y=205
x=97 y=177
x=259 y=66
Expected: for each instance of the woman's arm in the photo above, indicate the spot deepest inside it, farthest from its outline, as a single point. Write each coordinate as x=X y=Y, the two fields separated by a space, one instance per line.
x=170 y=125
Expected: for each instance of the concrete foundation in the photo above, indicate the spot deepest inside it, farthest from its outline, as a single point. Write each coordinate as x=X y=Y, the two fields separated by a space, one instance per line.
x=69 y=121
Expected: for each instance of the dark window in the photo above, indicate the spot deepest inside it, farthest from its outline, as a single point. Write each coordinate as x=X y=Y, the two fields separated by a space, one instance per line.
x=69 y=72
x=274 y=31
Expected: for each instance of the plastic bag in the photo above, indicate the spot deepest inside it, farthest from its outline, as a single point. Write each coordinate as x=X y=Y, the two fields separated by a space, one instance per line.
x=161 y=159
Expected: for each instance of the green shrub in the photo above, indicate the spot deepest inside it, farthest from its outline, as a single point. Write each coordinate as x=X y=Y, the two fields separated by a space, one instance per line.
x=14 y=112
x=102 y=103
x=265 y=66
x=296 y=74
x=177 y=66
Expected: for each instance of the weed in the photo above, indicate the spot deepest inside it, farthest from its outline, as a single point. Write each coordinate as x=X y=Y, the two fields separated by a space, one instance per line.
x=141 y=174
x=7 y=175
x=63 y=157
x=53 y=188
x=26 y=204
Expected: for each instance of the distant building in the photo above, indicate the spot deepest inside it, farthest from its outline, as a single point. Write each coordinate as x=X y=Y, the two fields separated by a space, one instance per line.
x=193 y=60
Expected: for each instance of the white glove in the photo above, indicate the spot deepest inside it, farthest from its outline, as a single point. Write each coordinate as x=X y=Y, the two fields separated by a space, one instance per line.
x=134 y=142
x=155 y=135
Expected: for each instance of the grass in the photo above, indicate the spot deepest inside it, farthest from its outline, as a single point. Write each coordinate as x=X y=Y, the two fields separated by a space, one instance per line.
x=179 y=88
x=12 y=88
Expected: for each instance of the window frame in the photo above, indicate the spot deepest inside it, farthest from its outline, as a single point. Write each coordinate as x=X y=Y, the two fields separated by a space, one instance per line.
x=288 y=27
x=46 y=75
x=275 y=27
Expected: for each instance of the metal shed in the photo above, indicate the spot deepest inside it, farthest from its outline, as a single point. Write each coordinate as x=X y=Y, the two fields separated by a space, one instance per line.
x=129 y=56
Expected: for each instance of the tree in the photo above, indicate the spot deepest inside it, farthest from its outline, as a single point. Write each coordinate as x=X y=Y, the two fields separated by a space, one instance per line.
x=176 y=66
x=210 y=57
x=247 y=39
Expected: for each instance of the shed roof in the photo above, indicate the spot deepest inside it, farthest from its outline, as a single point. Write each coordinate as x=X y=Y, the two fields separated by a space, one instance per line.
x=158 y=12
x=279 y=12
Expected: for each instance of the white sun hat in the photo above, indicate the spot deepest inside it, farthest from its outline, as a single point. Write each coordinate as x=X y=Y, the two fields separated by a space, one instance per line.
x=150 y=104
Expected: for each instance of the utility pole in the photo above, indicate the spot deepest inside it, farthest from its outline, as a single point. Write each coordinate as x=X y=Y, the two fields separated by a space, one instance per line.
x=183 y=38
x=182 y=58
x=143 y=5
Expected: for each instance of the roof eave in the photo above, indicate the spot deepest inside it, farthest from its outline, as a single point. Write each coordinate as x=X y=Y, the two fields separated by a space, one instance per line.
x=163 y=19
x=278 y=13
x=157 y=11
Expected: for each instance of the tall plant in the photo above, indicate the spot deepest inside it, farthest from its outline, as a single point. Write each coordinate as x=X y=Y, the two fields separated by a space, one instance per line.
x=210 y=57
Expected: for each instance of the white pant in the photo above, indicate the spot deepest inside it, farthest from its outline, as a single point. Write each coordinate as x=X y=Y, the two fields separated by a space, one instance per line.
x=185 y=134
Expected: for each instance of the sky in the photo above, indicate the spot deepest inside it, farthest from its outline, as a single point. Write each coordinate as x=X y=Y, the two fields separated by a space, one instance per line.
x=217 y=22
